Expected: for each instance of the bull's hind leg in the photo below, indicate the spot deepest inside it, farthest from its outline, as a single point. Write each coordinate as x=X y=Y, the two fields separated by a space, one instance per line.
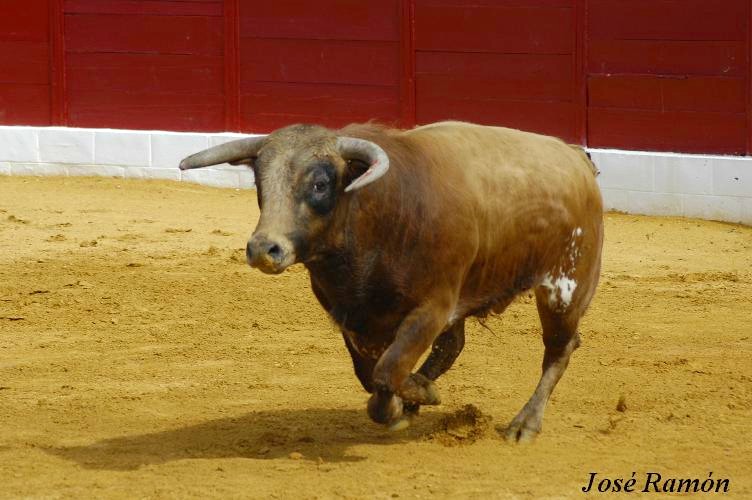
x=560 y=339
x=419 y=388
x=561 y=304
x=562 y=299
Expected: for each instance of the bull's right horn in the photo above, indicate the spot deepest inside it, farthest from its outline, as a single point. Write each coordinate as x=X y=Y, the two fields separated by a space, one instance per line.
x=377 y=159
x=229 y=152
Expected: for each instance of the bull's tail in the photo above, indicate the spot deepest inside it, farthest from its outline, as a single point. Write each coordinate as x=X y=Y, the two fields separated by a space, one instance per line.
x=586 y=156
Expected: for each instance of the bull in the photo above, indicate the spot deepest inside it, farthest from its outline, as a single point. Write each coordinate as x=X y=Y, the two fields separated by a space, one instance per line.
x=407 y=233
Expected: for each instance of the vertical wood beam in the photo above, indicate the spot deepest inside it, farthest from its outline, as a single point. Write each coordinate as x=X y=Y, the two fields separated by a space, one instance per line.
x=749 y=77
x=407 y=57
x=232 y=64
x=580 y=76
x=58 y=94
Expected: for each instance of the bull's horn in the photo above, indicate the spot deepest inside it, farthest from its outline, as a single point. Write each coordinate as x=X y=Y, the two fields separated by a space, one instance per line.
x=228 y=152
x=376 y=158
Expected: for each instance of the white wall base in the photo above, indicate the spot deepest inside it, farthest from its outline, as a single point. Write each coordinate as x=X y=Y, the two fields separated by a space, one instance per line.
x=132 y=154
x=702 y=186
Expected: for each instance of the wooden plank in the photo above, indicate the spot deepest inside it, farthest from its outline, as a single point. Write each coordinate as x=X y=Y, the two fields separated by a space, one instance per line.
x=319 y=61
x=24 y=62
x=408 y=64
x=668 y=20
x=667 y=57
x=146 y=73
x=562 y=4
x=24 y=20
x=58 y=90
x=151 y=7
x=144 y=34
x=494 y=29
x=678 y=131
x=270 y=105
x=482 y=75
x=580 y=69
x=436 y=87
x=749 y=78
x=24 y=104
x=553 y=118
x=146 y=110
x=232 y=64
x=323 y=19
x=668 y=94
x=322 y=99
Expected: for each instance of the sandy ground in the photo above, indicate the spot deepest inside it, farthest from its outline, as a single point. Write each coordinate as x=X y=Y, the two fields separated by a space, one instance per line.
x=141 y=357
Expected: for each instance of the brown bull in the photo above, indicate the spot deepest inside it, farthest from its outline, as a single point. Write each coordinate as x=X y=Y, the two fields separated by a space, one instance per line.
x=407 y=233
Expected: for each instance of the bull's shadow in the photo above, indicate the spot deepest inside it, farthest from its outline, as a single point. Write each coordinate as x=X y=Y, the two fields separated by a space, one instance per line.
x=263 y=435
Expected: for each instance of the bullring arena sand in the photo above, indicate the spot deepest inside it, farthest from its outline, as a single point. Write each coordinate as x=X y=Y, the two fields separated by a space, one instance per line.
x=141 y=358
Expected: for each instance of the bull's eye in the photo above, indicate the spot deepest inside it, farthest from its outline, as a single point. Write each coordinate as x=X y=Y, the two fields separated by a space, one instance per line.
x=320 y=189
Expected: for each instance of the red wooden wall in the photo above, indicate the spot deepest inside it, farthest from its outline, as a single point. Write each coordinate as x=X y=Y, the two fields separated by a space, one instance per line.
x=669 y=74
x=144 y=64
x=509 y=62
x=634 y=74
x=336 y=61
x=25 y=81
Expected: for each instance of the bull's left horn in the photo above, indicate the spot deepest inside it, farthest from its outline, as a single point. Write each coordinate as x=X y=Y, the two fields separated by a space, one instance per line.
x=377 y=159
x=229 y=152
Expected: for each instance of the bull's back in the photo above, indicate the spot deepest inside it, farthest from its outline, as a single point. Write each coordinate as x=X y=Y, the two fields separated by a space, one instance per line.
x=509 y=171
x=507 y=157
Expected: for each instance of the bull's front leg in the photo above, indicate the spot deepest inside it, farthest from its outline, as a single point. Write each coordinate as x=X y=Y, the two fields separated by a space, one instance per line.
x=391 y=376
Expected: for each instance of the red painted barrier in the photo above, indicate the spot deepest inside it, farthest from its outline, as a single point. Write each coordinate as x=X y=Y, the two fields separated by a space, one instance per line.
x=669 y=75
x=24 y=62
x=634 y=74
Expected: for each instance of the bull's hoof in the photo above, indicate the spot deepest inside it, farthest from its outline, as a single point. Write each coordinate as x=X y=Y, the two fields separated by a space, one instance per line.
x=385 y=408
x=520 y=435
x=400 y=424
x=420 y=390
x=523 y=429
x=410 y=409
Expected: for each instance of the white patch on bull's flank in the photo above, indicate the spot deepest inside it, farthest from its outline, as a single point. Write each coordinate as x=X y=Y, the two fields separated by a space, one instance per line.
x=560 y=290
x=559 y=284
x=573 y=247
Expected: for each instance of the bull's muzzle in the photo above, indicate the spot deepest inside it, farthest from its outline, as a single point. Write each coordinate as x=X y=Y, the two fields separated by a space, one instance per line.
x=269 y=255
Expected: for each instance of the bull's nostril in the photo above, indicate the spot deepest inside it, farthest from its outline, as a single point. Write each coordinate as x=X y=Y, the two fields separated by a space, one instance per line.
x=275 y=252
x=264 y=253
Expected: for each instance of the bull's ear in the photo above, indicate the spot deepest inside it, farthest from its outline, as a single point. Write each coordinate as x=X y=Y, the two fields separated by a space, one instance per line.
x=366 y=153
x=354 y=168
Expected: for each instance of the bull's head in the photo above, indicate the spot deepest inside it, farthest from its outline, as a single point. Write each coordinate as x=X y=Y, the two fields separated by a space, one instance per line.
x=301 y=171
